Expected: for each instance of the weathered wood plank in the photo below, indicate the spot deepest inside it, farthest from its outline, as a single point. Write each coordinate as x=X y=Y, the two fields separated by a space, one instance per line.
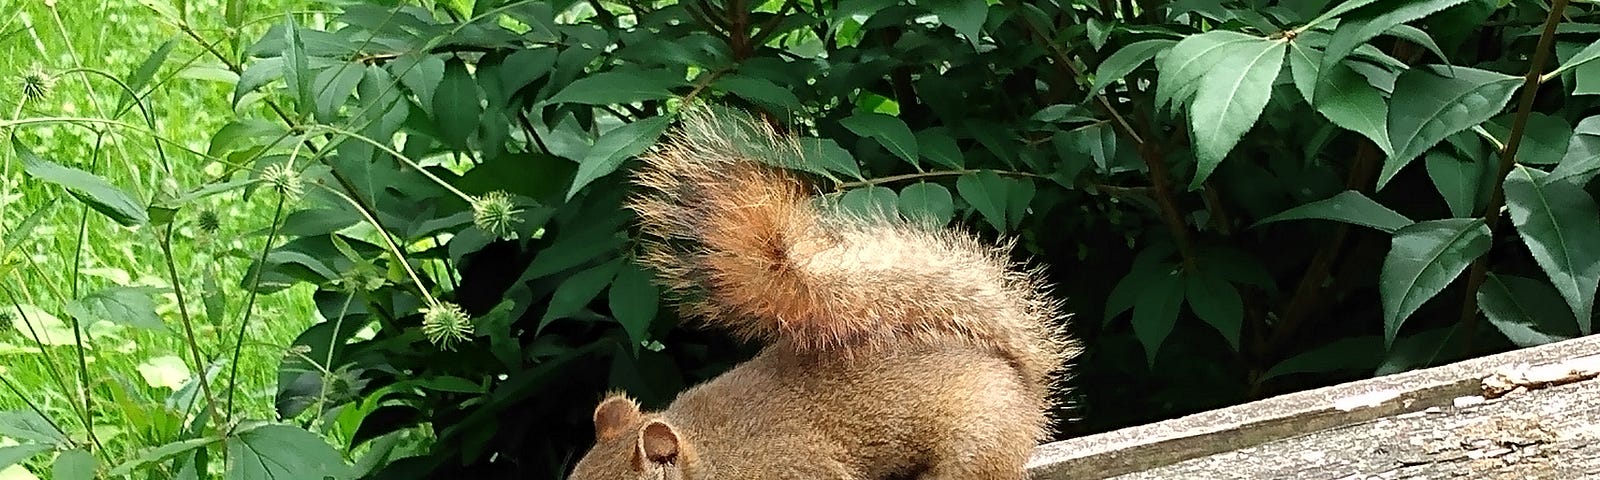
x=1249 y=427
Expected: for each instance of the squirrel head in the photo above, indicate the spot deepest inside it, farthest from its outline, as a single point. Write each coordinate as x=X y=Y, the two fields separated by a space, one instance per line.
x=630 y=444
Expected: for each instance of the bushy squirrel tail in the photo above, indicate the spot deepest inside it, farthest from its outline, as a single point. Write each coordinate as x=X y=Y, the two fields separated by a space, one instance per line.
x=745 y=246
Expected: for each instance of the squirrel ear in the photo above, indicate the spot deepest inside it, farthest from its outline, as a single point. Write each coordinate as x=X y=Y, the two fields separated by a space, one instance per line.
x=658 y=443
x=613 y=416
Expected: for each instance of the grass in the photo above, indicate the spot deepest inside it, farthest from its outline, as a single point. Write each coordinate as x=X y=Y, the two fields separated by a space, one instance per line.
x=73 y=251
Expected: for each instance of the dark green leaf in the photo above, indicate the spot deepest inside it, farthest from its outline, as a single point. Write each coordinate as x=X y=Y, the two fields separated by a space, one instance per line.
x=1588 y=54
x=1217 y=303
x=1431 y=106
x=1356 y=353
x=618 y=86
x=1419 y=37
x=578 y=290
x=1125 y=60
x=759 y=90
x=1156 y=312
x=28 y=425
x=99 y=194
x=1582 y=159
x=282 y=452
x=456 y=104
x=1097 y=140
x=613 y=147
x=825 y=155
x=1230 y=100
x=1019 y=195
x=132 y=306
x=1341 y=9
x=1544 y=139
x=936 y=144
x=1423 y=259
x=421 y=74
x=1528 y=312
x=1357 y=29
x=986 y=191
x=1355 y=105
x=333 y=86
x=141 y=76
x=634 y=302
x=929 y=202
x=447 y=383
x=889 y=131
x=965 y=16
x=1349 y=206
x=1560 y=224
x=17 y=453
x=1181 y=68
x=162 y=453
x=1456 y=180
x=75 y=464
x=296 y=67
x=871 y=202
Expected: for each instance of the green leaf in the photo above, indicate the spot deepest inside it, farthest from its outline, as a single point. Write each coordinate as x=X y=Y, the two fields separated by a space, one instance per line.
x=578 y=290
x=759 y=90
x=1349 y=206
x=162 y=453
x=936 y=144
x=333 y=86
x=965 y=16
x=421 y=74
x=456 y=104
x=1156 y=312
x=29 y=425
x=1544 y=139
x=634 y=302
x=132 y=306
x=75 y=464
x=930 y=202
x=282 y=452
x=1180 y=69
x=889 y=131
x=1355 y=353
x=1126 y=59
x=1357 y=29
x=1419 y=37
x=1353 y=104
x=1423 y=259
x=1525 y=310
x=1560 y=224
x=871 y=202
x=92 y=190
x=1582 y=159
x=1230 y=100
x=986 y=191
x=1588 y=54
x=1431 y=106
x=1342 y=9
x=613 y=147
x=821 y=155
x=1019 y=195
x=17 y=453
x=1097 y=140
x=1456 y=180
x=1147 y=266
x=618 y=86
x=296 y=67
x=141 y=76
x=1217 y=303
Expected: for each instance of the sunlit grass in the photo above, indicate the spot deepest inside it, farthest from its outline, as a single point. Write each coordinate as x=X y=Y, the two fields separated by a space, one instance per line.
x=73 y=251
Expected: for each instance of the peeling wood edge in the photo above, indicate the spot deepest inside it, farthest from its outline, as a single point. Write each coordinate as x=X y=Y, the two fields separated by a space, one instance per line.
x=1164 y=443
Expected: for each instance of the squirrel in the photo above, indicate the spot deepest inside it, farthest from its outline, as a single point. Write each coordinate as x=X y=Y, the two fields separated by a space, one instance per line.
x=894 y=349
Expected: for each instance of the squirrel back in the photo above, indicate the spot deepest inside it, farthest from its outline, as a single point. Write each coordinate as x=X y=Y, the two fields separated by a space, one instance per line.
x=940 y=338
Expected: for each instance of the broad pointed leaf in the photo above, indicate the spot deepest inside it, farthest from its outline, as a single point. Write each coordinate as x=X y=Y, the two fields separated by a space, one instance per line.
x=282 y=452
x=1561 y=227
x=89 y=188
x=615 y=146
x=1528 y=312
x=1432 y=106
x=1230 y=100
x=1181 y=68
x=1156 y=312
x=930 y=202
x=986 y=192
x=1126 y=59
x=1349 y=206
x=889 y=131
x=1423 y=259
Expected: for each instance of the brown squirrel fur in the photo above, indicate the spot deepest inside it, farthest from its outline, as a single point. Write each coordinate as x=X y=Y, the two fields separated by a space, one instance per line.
x=894 y=350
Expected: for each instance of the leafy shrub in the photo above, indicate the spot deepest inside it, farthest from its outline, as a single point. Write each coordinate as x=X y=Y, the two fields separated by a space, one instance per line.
x=1236 y=198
